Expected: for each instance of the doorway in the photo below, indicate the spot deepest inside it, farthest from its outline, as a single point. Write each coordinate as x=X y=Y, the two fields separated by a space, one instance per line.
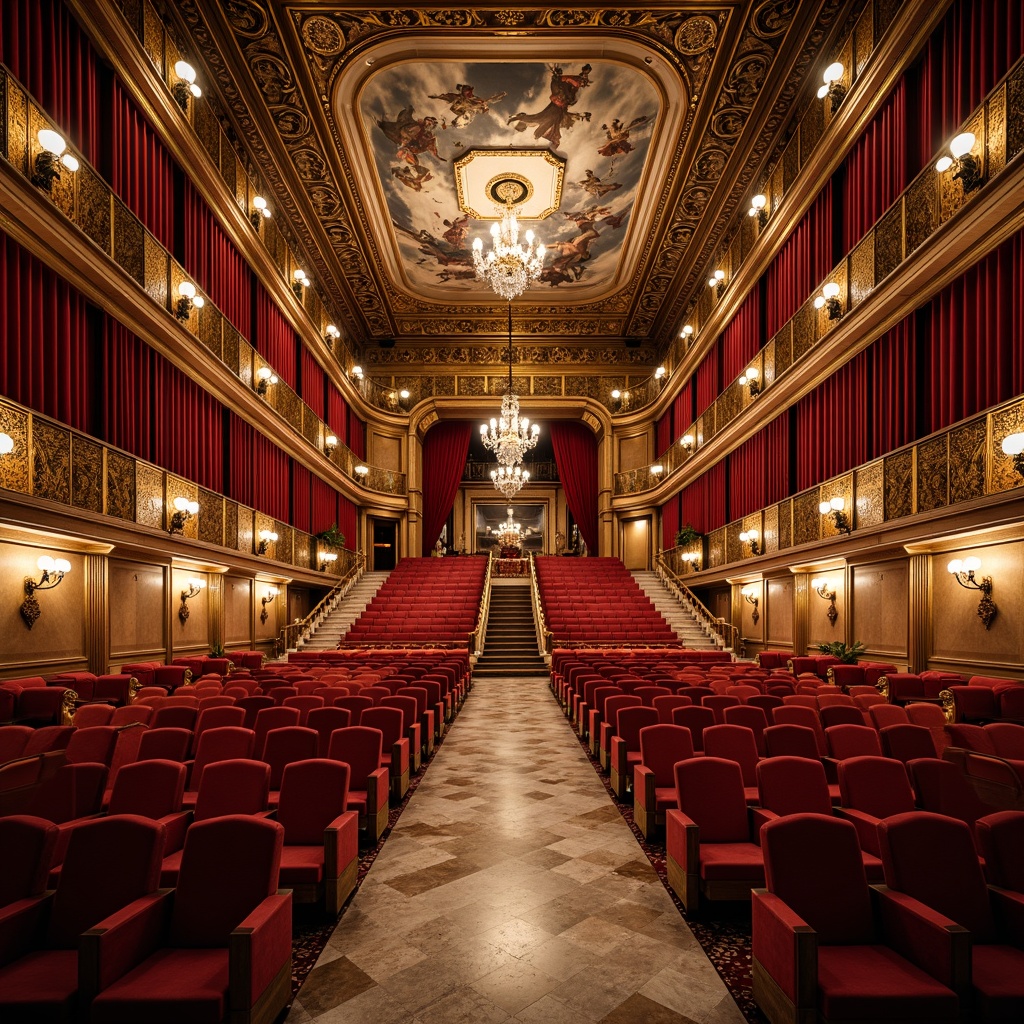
x=385 y=545
x=636 y=543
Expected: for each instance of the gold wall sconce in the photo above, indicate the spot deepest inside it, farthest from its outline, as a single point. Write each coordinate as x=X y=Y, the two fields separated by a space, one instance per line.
x=327 y=560
x=185 y=86
x=686 y=443
x=621 y=398
x=826 y=592
x=749 y=594
x=964 y=573
x=759 y=209
x=749 y=380
x=833 y=87
x=330 y=444
x=686 y=334
x=966 y=166
x=268 y=598
x=300 y=281
x=692 y=559
x=829 y=298
x=717 y=282
x=188 y=299
x=331 y=335
x=195 y=587
x=750 y=537
x=265 y=376
x=54 y=156
x=1013 y=445
x=260 y=211
x=184 y=510
x=54 y=570
x=267 y=537
x=6 y=444
x=362 y=471
x=834 y=508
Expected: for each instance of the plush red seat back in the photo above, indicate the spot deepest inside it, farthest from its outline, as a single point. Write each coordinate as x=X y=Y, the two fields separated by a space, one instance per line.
x=718 y=703
x=751 y=718
x=304 y=705
x=665 y=705
x=1001 y=837
x=876 y=785
x=390 y=721
x=791 y=741
x=13 y=740
x=225 y=743
x=840 y=914
x=325 y=721
x=375 y=693
x=1007 y=738
x=282 y=746
x=419 y=694
x=742 y=691
x=840 y=714
x=907 y=742
x=696 y=719
x=970 y=737
x=217 y=716
x=793 y=785
x=175 y=716
x=73 y=791
x=252 y=706
x=734 y=743
x=229 y=865
x=943 y=788
x=150 y=789
x=91 y=715
x=648 y=693
x=853 y=741
x=618 y=702
x=272 y=718
x=709 y=791
x=164 y=744
x=28 y=843
x=631 y=720
x=360 y=748
x=313 y=793
x=882 y=715
x=661 y=746
x=94 y=745
x=133 y=713
x=238 y=786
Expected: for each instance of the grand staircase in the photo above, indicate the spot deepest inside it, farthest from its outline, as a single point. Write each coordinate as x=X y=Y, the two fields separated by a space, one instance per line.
x=510 y=641
x=337 y=623
x=677 y=614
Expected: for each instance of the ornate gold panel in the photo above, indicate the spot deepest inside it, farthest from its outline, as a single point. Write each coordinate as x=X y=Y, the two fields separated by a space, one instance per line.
x=840 y=487
x=158 y=264
x=229 y=168
x=94 y=207
x=444 y=384
x=211 y=517
x=771 y=529
x=734 y=551
x=768 y=371
x=86 y=474
x=577 y=385
x=129 y=248
x=132 y=11
x=3 y=114
x=211 y=327
x=234 y=355
x=805 y=330
x=870 y=506
x=172 y=54
x=149 y=496
x=806 y=518
x=783 y=350
x=17 y=126
x=231 y=524
x=287 y=404
x=790 y=166
x=311 y=427
x=265 y=522
x=839 y=277
x=302 y=553
x=862 y=270
x=863 y=39
x=716 y=548
x=888 y=234
x=995 y=133
x=62 y=193
x=285 y=543
x=1002 y=476
x=932 y=474
x=885 y=11
x=1015 y=118
x=729 y=404
x=246 y=533
x=812 y=124
x=14 y=468
x=51 y=462
x=204 y=120
x=899 y=485
x=776 y=184
x=478 y=385
x=120 y=486
x=967 y=461
x=921 y=203
x=785 y=524
x=698 y=431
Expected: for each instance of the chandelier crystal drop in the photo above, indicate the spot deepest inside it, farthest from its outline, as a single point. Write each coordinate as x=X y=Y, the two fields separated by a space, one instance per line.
x=510 y=267
x=510 y=436
x=510 y=481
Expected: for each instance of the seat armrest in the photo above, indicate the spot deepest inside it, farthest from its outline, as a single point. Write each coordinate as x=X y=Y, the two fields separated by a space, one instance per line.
x=1008 y=909
x=937 y=945
x=377 y=790
x=341 y=843
x=866 y=826
x=122 y=941
x=759 y=817
x=23 y=926
x=682 y=840
x=786 y=947
x=175 y=827
x=64 y=830
x=257 y=950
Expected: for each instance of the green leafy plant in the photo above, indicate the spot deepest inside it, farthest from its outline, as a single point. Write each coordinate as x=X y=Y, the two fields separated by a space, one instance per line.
x=217 y=650
x=846 y=653
x=332 y=537
x=687 y=535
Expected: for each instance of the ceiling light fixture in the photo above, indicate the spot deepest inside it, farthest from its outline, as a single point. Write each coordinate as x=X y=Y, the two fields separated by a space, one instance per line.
x=509 y=268
x=510 y=437
x=510 y=481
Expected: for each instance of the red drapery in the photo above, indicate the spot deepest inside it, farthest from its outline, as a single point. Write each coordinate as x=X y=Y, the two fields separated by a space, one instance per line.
x=742 y=338
x=336 y=416
x=801 y=264
x=239 y=473
x=270 y=478
x=275 y=340
x=324 y=506
x=709 y=377
x=575 y=450
x=127 y=413
x=312 y=392
x=892 y=363
x=747 y=473
x=302 y=486
x=444 y=457
x=669 y=522
x=777 y=449
x=703 y=502
x=348 y=519
x=664 y=433
x=356 y=434
x=46 y=339
x=682 y=409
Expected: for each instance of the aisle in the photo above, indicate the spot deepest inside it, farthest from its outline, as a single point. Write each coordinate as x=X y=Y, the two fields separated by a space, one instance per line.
x=511 y=889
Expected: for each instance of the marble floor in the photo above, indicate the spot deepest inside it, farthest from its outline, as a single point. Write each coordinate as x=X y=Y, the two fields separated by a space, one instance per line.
x=511 y=889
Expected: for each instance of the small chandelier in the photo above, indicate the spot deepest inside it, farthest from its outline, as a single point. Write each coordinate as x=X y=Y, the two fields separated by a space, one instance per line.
x=509 y=268
x=509 y=534
x=510 y=437
x=510 y=481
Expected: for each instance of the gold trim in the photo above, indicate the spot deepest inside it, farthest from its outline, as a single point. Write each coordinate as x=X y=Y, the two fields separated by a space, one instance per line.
x=68 y=707
x=948 y=705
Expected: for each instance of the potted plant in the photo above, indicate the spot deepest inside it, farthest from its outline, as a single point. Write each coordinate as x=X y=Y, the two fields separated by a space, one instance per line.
x=687 y=535
x=847 y=654
x=332 y=537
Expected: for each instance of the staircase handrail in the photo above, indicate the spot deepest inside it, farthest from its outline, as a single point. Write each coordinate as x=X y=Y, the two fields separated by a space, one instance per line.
x=720 y=630
x=545 y=638
x=476 y=638
x=354 y=565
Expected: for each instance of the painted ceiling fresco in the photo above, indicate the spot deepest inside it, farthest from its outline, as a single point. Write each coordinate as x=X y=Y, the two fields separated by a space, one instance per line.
x=418 y=118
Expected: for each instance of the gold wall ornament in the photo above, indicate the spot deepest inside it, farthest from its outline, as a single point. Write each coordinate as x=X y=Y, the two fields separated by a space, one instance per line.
x=883 y=687
x=948 y=705
x=68 y=704
x=29 y=609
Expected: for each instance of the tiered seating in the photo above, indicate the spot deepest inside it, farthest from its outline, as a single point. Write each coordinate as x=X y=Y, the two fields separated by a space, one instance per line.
x=424 y=600
x=596 y=600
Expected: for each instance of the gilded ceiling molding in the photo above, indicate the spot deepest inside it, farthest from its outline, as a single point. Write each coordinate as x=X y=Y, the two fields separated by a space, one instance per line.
x=490 y=355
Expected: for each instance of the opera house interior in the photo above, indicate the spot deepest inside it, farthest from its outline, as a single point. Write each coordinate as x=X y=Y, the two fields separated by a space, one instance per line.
x=377 y=382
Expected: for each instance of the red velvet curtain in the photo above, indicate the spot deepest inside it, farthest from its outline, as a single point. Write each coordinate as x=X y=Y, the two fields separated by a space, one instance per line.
x=302 y=504
x=976 y=328
x=45 y=339
x=348 y=520
x=709 y=377
x=312 y=391
x=894 y=393
x=742 y=338
x=682 y=409
x=777 y=452
x=800 y=265
x=575 y=450
x=270 y=478
x=324 y=511
x=444 y=457
x=703 y=502
x=664 y=433
x=52 y=57
x=239 y=470
x=275 y=340
x=669 y=522
x=356 y=434
x=747 y=470
x=127 y=409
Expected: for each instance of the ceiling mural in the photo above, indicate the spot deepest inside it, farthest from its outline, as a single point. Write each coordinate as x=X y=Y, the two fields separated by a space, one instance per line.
x=420 y=118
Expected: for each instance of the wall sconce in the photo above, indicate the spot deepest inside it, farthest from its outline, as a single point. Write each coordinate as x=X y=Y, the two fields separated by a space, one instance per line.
x=187 y=300
x=692 y=559
x=327 y=560
x=1013 y=445
x=749 y=379
x=834 y=508
x=331 y=335
x=260 y=211
x=54 y=570
x=686 y=442
x=821 y=588
x=749 y=594
x=362 y=471
x=267 y=537
x=186 y=84
x=330 y=443
x=758 y=209
x=268 y=598
x=184 y=510
x=657 y=469
x=750 y=537
x=404 y=394
x=299 y=281
x=717 y=281
x=686 y=333
x=357 y=372
x=6 y=444
x=829 y=298
x=833 y=87
x=622 y=398
x=48 y=162
x=659 y=373
x=195 y=585
x=963 y=572
x=968 y=167
x=264 y=378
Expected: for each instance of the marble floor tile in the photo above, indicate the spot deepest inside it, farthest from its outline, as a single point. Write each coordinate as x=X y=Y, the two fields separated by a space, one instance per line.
x=511 y=889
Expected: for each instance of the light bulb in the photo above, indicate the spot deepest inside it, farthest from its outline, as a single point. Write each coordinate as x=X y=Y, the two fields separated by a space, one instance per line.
x=972 y=564
x=259 y=202
x=822 y=92
x=181 y=504
x=404 y=393
x=659 y=373
x=943 y=164
x=7 y=444
x=185 y=71
x=824 y=507
x=831 y=290
x=62 y=565
x=70 y=162
x=833 y=73
x=199 y=302
x=962 y=144
x=837 y=504
x=51 y=141
x=758 y=202
x=752 y=373
x=1013 y=444
x=45 y=563
x=819 y=301
x=187 y=289
x=955 y=566
x=817 y=583
x=686 y=331
x=616 y=394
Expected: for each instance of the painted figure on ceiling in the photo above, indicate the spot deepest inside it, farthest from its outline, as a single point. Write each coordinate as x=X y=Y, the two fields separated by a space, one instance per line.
x=465 y=106
x=596 y=187
x=556 y=115
x=410 y=135
x=618 y=136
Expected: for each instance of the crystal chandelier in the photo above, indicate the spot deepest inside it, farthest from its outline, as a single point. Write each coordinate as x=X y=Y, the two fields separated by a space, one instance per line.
x=509 y=534
x=510 y=481
x=511 y=436
x=509 y=267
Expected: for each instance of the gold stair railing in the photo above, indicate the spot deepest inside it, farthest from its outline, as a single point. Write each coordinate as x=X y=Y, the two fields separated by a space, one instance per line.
x=476 y=638
x=545 y=638
x=354 y=564
x=721 y=630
